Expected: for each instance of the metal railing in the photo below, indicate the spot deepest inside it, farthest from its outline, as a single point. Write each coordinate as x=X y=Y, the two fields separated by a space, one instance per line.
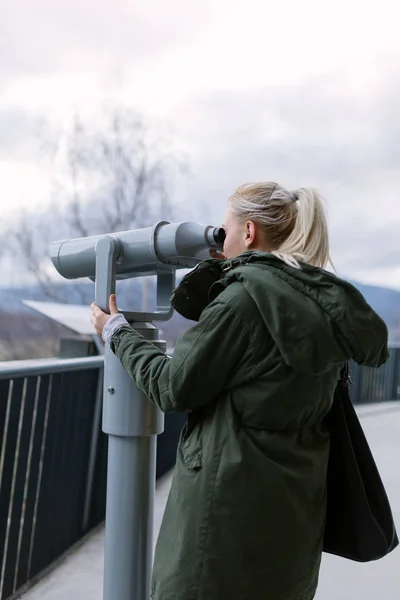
x=50 y=442
x=377 y=385
x=53 y=458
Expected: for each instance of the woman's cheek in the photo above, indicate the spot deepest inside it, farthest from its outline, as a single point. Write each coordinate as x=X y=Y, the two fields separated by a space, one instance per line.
x=225 y=248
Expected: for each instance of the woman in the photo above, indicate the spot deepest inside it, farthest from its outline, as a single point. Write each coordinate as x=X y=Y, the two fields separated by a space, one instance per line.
x=257 y=373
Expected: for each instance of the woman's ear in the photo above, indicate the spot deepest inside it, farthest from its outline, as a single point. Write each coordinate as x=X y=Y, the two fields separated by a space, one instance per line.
x=250 y=234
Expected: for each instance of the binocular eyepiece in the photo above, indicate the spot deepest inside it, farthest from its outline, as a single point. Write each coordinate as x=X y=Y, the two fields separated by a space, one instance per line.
x=219 y=236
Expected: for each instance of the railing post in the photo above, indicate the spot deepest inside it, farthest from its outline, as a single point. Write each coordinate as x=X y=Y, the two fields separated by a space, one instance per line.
x=394 y=374
x=93 y=449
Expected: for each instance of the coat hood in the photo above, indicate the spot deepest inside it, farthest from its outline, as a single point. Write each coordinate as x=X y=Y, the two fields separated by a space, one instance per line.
x=315 y=318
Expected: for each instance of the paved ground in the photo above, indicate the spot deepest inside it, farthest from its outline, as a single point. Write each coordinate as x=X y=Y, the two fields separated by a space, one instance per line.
x=345 y=580
x=79 y=576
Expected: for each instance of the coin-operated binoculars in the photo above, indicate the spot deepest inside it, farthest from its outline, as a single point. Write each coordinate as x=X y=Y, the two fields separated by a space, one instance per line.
x=131 y=421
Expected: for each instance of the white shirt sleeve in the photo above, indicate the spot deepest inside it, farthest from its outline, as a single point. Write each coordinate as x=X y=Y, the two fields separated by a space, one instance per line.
x=112 y=325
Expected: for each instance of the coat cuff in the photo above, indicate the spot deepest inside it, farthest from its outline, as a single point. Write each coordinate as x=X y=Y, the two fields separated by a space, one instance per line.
x=112 y=326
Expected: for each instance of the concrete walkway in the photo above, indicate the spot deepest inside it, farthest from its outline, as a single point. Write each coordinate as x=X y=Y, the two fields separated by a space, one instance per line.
x=79 y=576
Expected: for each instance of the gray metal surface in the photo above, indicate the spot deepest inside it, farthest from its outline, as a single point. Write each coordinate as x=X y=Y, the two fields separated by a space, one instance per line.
x=129 y=518
x=107 y=251
x=132 y=423
x=139 y=252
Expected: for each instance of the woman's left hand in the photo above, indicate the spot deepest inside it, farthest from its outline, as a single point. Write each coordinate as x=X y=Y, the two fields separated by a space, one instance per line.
x=100 y=318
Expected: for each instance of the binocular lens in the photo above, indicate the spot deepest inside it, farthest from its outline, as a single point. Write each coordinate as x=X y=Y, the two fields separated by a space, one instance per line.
x=219 y=236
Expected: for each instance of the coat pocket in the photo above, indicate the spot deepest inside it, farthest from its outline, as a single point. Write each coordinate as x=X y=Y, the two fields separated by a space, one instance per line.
x=191 y=443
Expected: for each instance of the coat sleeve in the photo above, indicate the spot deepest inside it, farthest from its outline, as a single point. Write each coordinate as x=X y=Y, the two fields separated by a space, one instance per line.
x=204 y=361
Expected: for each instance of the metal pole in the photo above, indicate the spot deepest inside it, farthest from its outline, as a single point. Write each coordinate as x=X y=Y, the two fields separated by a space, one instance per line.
x=132 y=423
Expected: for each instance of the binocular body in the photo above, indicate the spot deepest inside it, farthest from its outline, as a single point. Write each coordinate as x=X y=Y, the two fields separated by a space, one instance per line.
x=149 y=251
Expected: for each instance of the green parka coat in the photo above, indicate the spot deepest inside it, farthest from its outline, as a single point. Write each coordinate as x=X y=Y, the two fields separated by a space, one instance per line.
x=245 y=515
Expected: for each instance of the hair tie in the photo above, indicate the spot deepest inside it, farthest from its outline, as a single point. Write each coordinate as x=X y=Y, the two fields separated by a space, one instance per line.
x=293 y=196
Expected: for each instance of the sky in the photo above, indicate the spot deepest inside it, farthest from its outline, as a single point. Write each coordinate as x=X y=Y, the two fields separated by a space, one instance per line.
x=302 y=93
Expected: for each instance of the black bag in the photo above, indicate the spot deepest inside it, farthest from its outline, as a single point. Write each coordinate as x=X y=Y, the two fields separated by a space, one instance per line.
x=359 y=522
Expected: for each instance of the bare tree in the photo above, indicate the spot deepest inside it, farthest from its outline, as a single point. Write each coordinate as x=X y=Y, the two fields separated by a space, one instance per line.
x=126 y=175
x=110 y=179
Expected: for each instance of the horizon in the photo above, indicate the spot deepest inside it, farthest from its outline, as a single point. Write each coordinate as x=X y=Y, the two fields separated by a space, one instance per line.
x=62 y=281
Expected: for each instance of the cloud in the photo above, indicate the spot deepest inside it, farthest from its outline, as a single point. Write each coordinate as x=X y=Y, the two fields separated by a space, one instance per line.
x=317 y=133
x=241 y=113
x=20 y=134
x=365 y=250
x=301 y=135
x=52 y=37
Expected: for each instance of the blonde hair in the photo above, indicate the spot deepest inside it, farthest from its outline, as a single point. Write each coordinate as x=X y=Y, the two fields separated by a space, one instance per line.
x=294 y=221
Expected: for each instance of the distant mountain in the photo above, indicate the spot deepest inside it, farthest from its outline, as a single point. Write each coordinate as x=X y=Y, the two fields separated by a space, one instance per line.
x=130 y=295
x=385 y=301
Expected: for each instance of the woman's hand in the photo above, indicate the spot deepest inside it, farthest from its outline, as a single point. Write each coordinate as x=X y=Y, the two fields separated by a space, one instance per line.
x=100 y=318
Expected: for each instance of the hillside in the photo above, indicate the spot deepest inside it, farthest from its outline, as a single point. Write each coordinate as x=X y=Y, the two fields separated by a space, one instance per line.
x=384 y=300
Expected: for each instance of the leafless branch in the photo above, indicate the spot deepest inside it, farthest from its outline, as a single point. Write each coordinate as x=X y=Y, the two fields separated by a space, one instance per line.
x=104 y=180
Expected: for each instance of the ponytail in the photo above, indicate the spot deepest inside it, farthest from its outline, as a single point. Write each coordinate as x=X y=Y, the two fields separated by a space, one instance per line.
x=309 y=240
